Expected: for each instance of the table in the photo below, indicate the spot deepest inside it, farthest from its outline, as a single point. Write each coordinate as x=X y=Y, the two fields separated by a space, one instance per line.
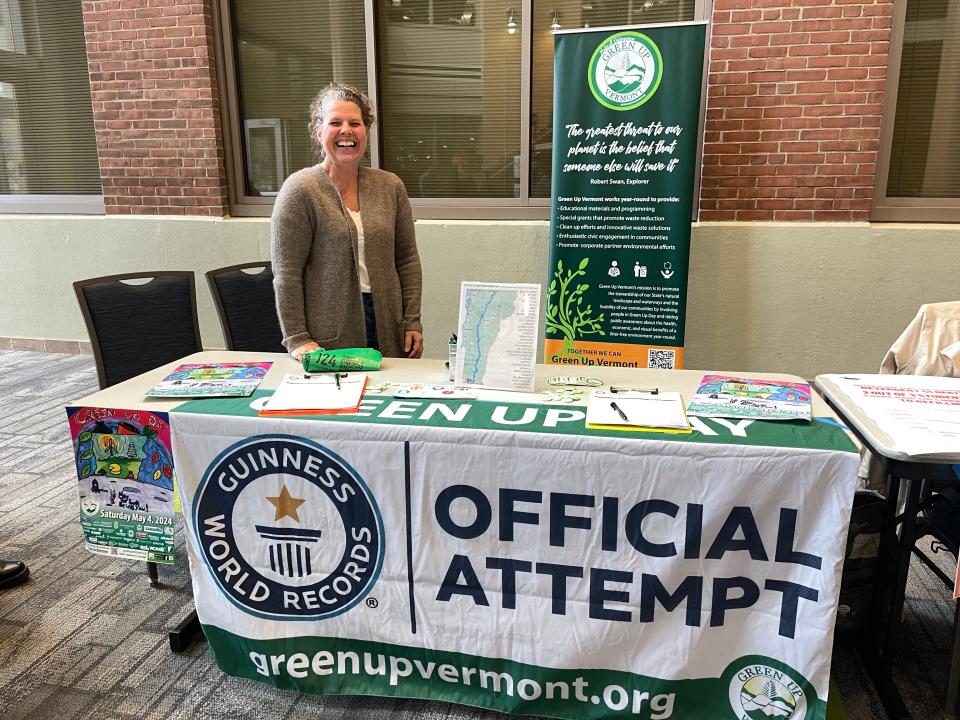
x=904 y=480
x=496 y=552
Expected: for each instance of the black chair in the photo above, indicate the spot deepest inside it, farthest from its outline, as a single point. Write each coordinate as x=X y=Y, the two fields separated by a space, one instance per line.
x=247 y=307
x=136 y=327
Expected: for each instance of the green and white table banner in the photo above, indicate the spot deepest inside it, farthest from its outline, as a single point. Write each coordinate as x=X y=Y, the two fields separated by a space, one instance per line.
x=479 y=553
x=625 y=128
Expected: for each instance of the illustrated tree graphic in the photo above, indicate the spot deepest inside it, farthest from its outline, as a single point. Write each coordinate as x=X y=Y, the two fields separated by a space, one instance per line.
x=770 y=690
x=566 y=313
x=621 y=66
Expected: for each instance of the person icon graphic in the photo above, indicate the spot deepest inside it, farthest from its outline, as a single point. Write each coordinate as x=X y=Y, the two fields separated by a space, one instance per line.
x=614 y=271
x=667 y=271
x=639 y=271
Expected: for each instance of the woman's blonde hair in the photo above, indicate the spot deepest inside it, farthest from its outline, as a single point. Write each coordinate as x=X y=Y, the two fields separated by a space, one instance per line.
x=335 y=92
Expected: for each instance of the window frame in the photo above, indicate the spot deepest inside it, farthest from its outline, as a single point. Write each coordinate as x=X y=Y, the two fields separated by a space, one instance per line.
x=48 y=203
x=892 y=208
x=52 y=205
x=523 y=207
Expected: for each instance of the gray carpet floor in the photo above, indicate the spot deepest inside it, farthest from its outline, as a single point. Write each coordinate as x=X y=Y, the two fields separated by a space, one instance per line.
x=86 y=637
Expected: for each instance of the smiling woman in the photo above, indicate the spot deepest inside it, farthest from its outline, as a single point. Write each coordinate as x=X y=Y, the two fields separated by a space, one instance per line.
x=345 y=263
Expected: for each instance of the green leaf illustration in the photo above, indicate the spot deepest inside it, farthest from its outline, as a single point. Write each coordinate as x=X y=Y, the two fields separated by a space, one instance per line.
x=565 y=313
x=84 y=436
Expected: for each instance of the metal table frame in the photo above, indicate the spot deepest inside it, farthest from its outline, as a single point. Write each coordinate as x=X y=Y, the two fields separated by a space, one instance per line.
x=905 y=480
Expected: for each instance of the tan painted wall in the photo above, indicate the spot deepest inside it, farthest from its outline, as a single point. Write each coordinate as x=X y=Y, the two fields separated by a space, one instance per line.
x=803 y=298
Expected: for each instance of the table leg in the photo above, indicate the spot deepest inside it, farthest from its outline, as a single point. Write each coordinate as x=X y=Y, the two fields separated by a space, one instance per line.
x=895 y=551
x=185 y=633
x=886 y=571
x=188 y=630
x=903 y=549
x=953 y=672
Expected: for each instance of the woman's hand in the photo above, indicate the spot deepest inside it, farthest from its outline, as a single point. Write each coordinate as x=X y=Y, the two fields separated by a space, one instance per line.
x=413 y=343
x=298 y=352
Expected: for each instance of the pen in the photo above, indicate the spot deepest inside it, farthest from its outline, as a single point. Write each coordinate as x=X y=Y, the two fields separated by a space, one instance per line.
x=620 y=412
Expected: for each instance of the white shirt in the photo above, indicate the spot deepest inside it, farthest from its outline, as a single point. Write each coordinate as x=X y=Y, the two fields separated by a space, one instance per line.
x=361 y=257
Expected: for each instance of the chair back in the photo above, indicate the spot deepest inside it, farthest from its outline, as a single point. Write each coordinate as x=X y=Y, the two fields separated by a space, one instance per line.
x=135 y=326
x=929 y=345
x=247 y=307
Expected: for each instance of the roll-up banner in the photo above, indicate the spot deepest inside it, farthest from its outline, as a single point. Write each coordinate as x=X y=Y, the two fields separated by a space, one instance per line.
x=625 y=129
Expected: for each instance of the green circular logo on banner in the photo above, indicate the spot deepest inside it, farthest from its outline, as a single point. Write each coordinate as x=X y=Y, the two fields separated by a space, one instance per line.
x=625 y=70
x=764 y=692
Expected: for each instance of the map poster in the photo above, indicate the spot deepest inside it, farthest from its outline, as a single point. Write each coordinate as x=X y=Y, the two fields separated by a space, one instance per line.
x=126 y=482
x=625 y=129
x=497 y=332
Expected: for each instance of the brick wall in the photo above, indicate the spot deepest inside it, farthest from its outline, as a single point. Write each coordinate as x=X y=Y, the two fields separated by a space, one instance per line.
x=155 y=106
x=794 y=103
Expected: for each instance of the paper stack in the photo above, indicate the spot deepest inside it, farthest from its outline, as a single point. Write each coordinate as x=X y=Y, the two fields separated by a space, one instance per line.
x=305 y=394
x=738 y=397
x=662 y=412
x=237 y=379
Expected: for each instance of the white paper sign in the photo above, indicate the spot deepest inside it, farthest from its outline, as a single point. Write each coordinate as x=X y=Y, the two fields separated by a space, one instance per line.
x=921 y=415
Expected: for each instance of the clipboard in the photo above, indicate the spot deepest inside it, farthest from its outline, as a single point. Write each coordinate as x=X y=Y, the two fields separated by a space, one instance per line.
x=652 y=412
x=326 y=394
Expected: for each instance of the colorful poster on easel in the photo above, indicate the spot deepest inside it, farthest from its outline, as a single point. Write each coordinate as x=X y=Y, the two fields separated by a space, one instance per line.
x=126 y=482
x=625 y=130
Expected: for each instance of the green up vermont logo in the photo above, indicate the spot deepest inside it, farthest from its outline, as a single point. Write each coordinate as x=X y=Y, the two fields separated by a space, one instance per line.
x=761 y=692
x=625 y=70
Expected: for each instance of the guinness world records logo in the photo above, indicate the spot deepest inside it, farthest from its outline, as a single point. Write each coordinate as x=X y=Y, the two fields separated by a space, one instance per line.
x=288 y=529
x=625 y=70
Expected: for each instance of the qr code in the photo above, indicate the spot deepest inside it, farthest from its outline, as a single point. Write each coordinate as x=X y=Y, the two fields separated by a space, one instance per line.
x=661 y=359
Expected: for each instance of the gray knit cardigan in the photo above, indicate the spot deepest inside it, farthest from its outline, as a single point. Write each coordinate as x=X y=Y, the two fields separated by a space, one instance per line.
x=313 y=247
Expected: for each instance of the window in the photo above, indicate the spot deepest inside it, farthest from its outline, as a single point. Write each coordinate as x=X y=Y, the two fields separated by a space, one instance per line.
x=285 y=51
x=462 y=89
x=449 y=97
x=48 y=152
x=919 y=173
